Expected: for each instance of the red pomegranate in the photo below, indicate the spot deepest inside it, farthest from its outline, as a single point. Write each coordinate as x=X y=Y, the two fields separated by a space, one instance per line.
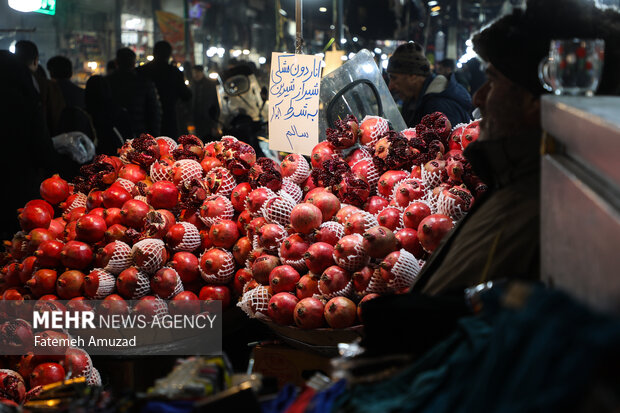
x=132 y=172
x=281 y=308
x=319 y=257
x=54 y=190
x=12 y=388
x=113 y=304
x=166 y=283
x=307 y=185
x=217 y=266
x=242 y=276
x=375 y=204
x=115 y=196
x=387 y=265
x=162 y=195
x=243 y=220
x=361 y=278
x=283 y=278
x=409 y=190
x=74 y=214
x=329 y=232
x=34 y=216
x=76 y=255
x=459 y=196
x=239 y=194
x=345 y=212
x=306 y=218
x=98 y=284
x=224 y=233
x=46 y=373
x=70 y=284
x=470 y=133
x=328 y=203
x=262 y=267
x=366 y=298
x=112 y=216
x=379 y=241
x=455 y=171
x=371 y=128
x=185 y=303
x=133 y=213
x=186 y=265
x=357 y=155
x=77 y=363
x=216 y=293
x=307 y=286
x=432 y=229
x=149 y=254
x=408 y=239
x=270 y=236
x=334 y=280
x=308 y=313
x=57 y=227
x=390 y=218
x=349 y=252
x=210 y=162
x=358 y=222
x=437 y=167
x=27 y=268
x=340 y=312
x=292 y=251
x=42 y=282
x=322 y=152
x=215 y=208
x=388 y=181
x=132 y=284
x=415 y=213
x=79 y=200
x=353 y=190
x=94 y=200
x=115 y=232
x=241 y=250
x=90 y=228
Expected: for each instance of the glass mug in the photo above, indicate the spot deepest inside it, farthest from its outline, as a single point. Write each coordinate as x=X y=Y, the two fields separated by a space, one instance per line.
x=573 y=67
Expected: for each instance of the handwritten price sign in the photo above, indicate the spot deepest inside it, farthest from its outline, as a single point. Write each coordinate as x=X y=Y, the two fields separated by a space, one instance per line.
x=294 y=88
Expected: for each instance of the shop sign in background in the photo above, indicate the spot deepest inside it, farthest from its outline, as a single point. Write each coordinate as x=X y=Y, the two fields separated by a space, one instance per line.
x=294 y=89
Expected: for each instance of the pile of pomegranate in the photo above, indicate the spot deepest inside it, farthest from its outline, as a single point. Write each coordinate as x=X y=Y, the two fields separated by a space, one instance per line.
x=303 y=243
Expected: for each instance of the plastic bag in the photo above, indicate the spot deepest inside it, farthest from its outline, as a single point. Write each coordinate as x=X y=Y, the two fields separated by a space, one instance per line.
x=76 y=145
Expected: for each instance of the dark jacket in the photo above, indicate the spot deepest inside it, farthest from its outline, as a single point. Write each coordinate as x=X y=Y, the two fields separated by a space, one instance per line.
x=171 y=87
x=205 y=108
x=138 y=96
x=73 y=94
x=439 y=95
x=500 y=237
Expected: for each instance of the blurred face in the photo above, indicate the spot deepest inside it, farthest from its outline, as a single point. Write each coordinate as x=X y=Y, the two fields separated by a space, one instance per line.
x=198 y=74
x=507 y=109
x=405 y=86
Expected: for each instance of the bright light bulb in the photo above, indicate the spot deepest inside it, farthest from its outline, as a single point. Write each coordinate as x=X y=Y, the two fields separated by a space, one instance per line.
x=262 y=60
x=25 y=5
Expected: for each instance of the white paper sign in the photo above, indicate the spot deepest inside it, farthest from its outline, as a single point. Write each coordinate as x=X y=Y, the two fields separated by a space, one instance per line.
x=294 y=88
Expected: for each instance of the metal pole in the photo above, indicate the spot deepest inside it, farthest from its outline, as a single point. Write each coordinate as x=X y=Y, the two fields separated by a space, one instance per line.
x=339 y=24
x=299 y=40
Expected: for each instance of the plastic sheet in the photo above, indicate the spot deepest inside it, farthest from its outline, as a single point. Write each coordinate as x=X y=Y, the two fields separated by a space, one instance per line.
x=76 y=145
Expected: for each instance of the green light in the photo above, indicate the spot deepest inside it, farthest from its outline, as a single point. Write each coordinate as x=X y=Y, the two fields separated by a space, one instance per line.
x=47 y=7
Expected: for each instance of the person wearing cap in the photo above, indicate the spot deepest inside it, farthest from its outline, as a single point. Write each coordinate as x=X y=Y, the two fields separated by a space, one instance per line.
x=423 y=92
x=499 y=239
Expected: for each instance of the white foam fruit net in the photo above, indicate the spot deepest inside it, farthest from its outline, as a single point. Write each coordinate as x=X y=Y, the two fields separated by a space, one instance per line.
x=334 y=228
x=143 y=287
x=405 y=271
x=257 y=213
x=255 y=301
x=377 y=284
x=379 y=128
x=225 y=272
x=354 y=261
x=277 y=210
x=400 y=210
x=151 y=252
x=94 y=378
x=161 y=308
x=123 y=155
x=79 y=201
x=107 y=283
x=120 y=259
x=190 y=169
x=87 y=370
x=160 y=171
x=169 y=142
x=291 y=189
x=227 y=213
x=431 y=201
x=447 y=206
x=431 y=179
x=347 y=291
x=299 y=265
x=191 y=238
x=141 y=198
x=302 y=172
x=225 y=181
x=126 y=184
x=178 y=288
x=413 y=181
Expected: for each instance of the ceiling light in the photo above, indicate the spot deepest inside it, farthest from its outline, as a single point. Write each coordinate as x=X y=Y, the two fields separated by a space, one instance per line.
x=364 y=28
x=355 y=39
x=283 y=12
x=436 y=8
x=377 y=50
x=262 y=60
x=432 y=3
x=322 y=9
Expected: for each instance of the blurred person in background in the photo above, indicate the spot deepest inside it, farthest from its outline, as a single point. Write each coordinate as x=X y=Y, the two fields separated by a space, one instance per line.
x=136 y=94
x=423 y=92
x=170 y=86
x=447 y=68
x=205 y=105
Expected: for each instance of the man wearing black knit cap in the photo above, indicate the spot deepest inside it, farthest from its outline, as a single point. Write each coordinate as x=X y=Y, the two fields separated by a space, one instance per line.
x=500 y=236
x=421 y=91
